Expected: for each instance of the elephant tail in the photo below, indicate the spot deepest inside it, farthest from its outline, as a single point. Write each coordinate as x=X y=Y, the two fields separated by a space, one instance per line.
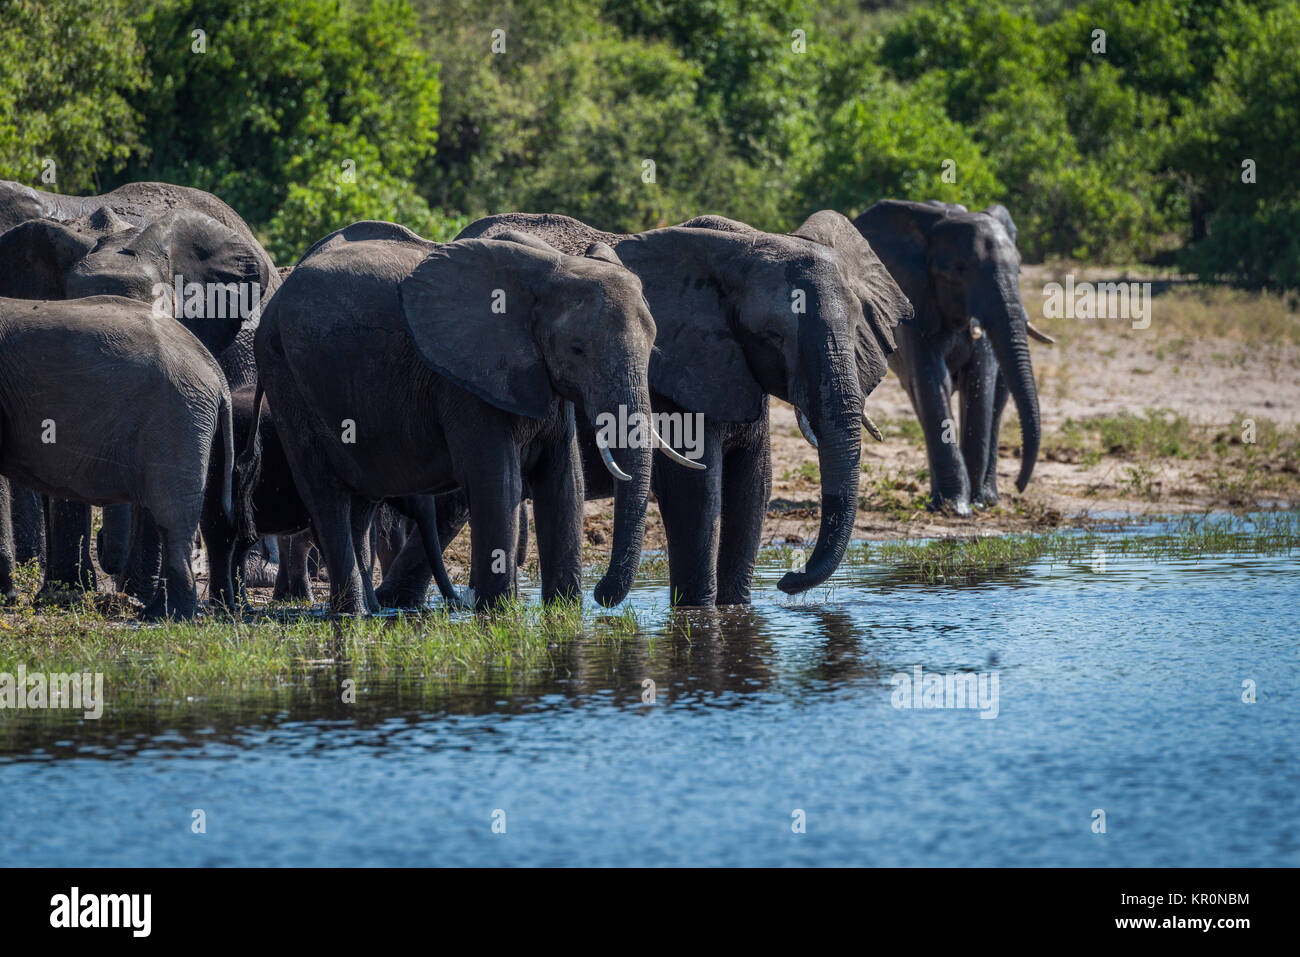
x=228 y=454
x=249 y=471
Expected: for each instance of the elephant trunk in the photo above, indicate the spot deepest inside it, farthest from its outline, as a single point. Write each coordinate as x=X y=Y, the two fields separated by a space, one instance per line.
x=1006 y=323
x=633 y=458
x=837 y=422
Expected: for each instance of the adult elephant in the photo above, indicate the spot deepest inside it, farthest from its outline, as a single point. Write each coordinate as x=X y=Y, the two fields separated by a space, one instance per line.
x=151 y=447
x=970 y=335
x=400 y=367
x=134 y=241
x=743 y=315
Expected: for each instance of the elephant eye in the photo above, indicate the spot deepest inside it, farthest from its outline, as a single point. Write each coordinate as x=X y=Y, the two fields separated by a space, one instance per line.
x=577 y=349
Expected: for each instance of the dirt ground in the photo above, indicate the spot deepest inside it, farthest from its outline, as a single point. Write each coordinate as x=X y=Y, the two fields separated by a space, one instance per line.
x=1208 y=358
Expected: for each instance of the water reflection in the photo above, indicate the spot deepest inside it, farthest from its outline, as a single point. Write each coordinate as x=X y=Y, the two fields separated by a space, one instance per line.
x=1118 y=690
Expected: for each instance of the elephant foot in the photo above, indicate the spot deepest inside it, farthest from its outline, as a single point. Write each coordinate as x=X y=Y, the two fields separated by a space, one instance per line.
x=291 y=587
x=959 y=507
x=160 y=609
x=9 y=596
x=260 y=573
x=294 y=591
x=60 y=593
x=397 y=596
x=736 y=598
x=350 y=609
x=142 y=591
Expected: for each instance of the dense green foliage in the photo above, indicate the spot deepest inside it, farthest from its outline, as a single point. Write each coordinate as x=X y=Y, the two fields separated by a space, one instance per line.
x=1113 y=129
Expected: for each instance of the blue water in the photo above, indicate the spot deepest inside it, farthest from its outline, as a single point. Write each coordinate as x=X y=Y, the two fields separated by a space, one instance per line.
x=1119 y=691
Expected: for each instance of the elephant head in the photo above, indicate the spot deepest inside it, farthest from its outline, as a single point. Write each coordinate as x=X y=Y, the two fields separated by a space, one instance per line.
x=742 y=313
x=568 y=327
x=222 y=272
x=959 y=267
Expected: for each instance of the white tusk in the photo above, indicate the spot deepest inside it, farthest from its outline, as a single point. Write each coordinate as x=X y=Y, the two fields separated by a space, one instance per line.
x=1040 y=336
x=610 y=464
x=673 y=454
x=806 y=428
x=871 y=427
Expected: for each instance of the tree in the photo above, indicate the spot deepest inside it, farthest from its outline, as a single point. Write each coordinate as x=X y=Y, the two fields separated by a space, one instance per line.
x=68 y=70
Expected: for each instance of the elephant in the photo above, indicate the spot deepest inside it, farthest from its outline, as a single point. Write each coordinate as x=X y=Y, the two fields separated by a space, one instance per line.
x=970 y=334
x=134 y=241
x=741 y=315
x=150 y=446
x=396 y=366
x=277 y=510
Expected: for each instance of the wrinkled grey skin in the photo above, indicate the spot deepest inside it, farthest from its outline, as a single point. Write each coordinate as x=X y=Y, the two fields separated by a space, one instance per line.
x=961 y=270
x=121 y=243
x=150 y=446
x=722 y=296
x=276 y=510
x=397 y=336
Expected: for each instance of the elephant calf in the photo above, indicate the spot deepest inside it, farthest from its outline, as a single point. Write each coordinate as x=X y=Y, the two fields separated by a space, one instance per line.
x=102 y=402
x=268 y=503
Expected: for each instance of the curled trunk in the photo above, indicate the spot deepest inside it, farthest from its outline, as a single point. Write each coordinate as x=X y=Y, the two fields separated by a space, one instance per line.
x=839 y=449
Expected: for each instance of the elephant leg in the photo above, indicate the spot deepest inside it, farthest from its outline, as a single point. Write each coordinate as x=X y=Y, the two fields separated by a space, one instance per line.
x=990 y=483
x=521 y=549
x=690 y=503
x=175 y=596
x=932 y=399
x=977 y=401
x=67 y=562
x=746 y=489
x=331 y=518
x=389 y=541
x=219 y=542
x=423 y=513
x=113 y=541
x=406 y=584
x=144 y=560
x=556 y=483
x=292 y=583
x=363 y=536
x=493 y=486
x=28 y=519
x=8 y=590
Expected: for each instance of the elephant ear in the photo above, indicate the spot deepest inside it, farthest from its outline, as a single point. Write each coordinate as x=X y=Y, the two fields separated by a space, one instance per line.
x=999 y=212
x=697 y=360
x=469 y=308
x=897 y=231
x=37 y=257
x=40 y=254
x=884 y=306
x=603 y=252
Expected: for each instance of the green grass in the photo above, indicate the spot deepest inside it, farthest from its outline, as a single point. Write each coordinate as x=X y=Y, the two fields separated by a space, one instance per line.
x=284 y=645
x=1188 y=536
x=290 y=647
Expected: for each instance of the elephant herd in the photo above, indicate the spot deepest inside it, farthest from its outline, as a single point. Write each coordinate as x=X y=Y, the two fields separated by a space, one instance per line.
x=155 y=362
